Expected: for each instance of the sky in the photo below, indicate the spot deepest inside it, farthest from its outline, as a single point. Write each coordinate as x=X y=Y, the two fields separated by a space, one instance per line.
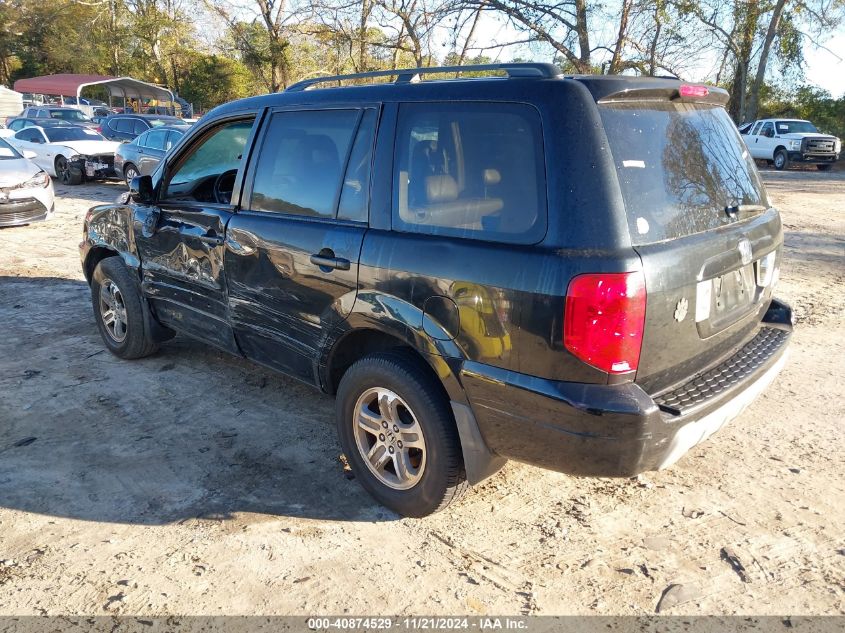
x=824 y=66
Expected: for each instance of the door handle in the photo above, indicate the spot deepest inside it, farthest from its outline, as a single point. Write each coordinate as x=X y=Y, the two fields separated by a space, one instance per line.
x=211 y=238
x=326 y=260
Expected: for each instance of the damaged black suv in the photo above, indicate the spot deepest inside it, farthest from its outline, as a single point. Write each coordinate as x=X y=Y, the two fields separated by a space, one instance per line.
x=574 y=272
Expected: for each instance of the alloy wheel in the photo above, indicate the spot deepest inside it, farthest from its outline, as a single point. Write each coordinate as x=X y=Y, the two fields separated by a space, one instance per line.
x=389 y=438
x=113 y=310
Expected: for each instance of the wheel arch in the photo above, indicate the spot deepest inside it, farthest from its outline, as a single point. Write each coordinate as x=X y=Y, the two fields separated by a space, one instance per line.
x=109 y=232
x=364 y=335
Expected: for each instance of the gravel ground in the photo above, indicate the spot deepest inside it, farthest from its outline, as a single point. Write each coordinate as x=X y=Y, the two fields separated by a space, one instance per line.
x=192 y=482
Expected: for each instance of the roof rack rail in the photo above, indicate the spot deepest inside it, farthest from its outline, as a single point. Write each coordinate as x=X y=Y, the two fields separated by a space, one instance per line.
x=412 y=75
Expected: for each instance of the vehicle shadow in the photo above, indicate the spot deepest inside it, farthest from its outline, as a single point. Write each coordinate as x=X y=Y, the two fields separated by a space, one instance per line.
x=189 y=432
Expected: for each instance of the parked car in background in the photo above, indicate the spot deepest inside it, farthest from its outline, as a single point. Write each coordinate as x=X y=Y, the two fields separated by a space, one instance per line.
x=26 y=191
x=783 y=141
x=68 y=152
x=142 y=154
x=125 y=127
x=573 y=272
x=69 y=115
x=17 y=124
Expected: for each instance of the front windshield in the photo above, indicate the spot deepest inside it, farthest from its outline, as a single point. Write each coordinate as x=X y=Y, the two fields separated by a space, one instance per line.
x=7 y=152
x=795 y=127
x=68 y=115
x=71 y=133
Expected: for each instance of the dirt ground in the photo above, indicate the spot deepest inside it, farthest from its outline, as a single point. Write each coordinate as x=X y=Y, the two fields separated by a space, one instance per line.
x=192 y=482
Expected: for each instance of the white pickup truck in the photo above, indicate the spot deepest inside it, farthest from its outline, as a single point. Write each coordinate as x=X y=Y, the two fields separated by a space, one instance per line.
x=784 y=141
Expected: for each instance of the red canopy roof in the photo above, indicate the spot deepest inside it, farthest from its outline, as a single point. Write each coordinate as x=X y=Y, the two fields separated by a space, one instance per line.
x=72 y=85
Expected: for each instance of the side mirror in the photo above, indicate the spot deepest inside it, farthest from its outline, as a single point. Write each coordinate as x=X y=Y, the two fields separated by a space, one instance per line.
x=29 y=154
x=141 y=189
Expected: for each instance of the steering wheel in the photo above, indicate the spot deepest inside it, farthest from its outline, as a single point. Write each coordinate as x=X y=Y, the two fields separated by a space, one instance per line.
x=224 y=184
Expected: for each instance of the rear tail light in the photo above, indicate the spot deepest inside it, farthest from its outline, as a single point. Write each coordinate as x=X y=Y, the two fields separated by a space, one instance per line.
x=604 y=319
x=687 y=90
x=99 y=129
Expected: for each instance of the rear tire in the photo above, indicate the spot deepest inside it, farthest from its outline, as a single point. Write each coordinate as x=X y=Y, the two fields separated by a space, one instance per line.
x=824 y=167
x=391 y=409
x=781 y=160
x=121 y=311
x=130 y=172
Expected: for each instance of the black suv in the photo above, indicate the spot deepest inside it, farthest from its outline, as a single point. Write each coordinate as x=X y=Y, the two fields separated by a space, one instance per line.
x=125 y=127
x=573 y=272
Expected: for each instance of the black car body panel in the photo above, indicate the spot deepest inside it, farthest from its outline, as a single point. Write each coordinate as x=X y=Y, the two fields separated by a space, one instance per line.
x=301 y=292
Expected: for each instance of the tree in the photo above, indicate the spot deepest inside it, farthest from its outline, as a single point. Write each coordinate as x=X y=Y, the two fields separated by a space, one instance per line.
x=211 y=80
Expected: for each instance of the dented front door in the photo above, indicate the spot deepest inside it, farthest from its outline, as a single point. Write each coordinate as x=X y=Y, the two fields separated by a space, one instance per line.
x=182 y=265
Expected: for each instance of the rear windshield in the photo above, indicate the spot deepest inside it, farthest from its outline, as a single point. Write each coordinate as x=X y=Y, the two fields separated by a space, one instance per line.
x=68 y=115
x=682 y=168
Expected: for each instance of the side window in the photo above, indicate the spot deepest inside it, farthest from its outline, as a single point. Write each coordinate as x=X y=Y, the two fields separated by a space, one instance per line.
x=123 y=125
x=300 y=166
x=31 y=134
x=472 y=170
x=155 y=139
x=139 y=127
x=140 y=141
x=355 y=194
x=16 y=125
x=756 y=129
x=172 y=138
x=768 y=130
x=206 y=172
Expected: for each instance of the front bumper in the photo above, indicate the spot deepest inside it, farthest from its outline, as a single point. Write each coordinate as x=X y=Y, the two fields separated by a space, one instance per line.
x=23 y=211
x=620 y=430
x=94 y=167
x=800 y=157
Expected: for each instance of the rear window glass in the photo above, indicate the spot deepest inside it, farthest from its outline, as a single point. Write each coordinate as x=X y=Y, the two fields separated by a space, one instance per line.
x=473 y=170
x=682 y=168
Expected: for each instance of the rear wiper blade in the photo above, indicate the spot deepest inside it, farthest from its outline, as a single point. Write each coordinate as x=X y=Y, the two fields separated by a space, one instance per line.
x=743 y=208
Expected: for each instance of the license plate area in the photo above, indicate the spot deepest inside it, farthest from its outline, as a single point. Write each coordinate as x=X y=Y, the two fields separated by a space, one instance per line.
x=724 y=300
x=92 y=167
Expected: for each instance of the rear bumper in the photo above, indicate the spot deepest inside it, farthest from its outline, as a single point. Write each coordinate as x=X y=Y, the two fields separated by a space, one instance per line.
x=620 y=430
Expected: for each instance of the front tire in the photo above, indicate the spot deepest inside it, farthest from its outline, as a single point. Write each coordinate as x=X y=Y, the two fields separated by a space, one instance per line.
x=67 y=173
x=781 y=160
x=397 y=431
x=121 y=311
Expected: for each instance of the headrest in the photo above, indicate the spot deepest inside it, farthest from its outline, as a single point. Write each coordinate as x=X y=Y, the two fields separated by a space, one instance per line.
x=441 y=189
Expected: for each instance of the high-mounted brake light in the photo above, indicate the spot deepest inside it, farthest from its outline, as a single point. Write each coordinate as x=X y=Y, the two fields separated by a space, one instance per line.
x=687 y=90
x=604 y=319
